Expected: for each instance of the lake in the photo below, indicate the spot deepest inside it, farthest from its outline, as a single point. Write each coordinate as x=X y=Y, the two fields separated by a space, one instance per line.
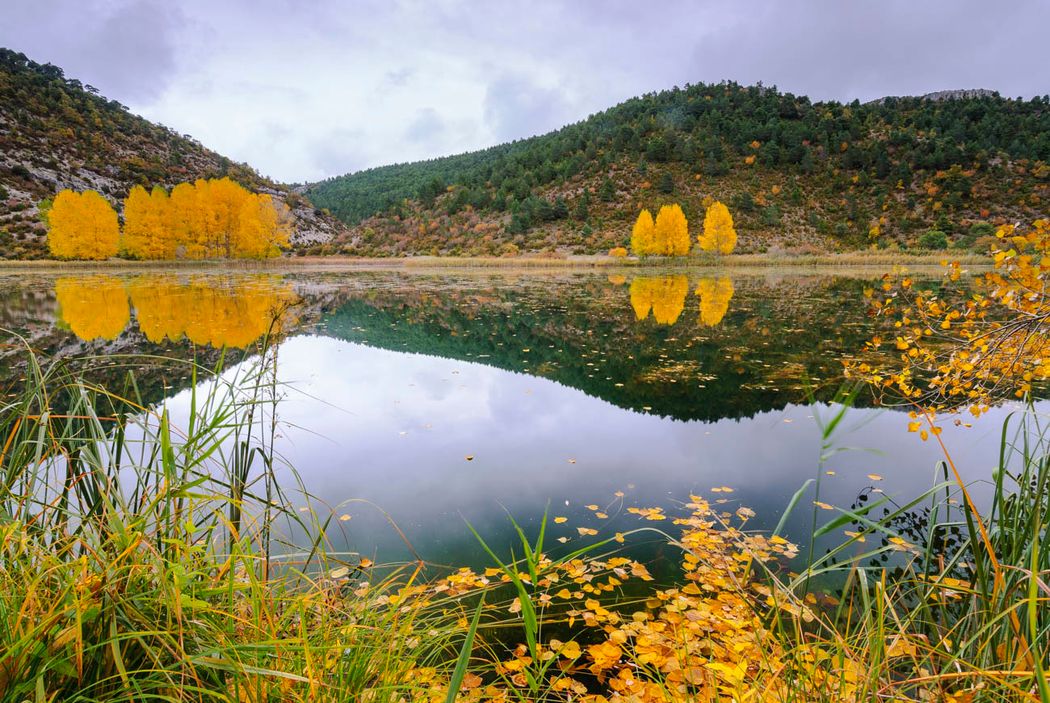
x=429 y=398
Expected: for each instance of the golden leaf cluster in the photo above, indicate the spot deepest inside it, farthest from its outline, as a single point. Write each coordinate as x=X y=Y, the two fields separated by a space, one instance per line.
x=667 y=235
x=719 y=234
x=214 y=218
x=82 y=226
x=664 y=297
x=957 y=349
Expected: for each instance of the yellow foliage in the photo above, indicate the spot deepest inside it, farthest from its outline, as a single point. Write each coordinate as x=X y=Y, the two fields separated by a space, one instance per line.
x=671 y=233
x=82 y=226
x=206 y=219
x=206 y=310
x=219 y=218
x=94 y=307
x=719 y=234
x=668 y=235
x=147 y=225
x=618 y=252
x=970 y=349
x=642 y=234
x=714 y=295
x=663 y=295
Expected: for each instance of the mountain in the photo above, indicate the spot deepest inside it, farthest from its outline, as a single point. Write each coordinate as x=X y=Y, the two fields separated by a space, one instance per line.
x=56 y=133
x=798 y=175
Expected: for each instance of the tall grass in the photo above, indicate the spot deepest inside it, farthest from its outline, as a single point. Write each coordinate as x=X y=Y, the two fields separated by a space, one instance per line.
x=144 y=559
x=137 y=561
x=940 y=600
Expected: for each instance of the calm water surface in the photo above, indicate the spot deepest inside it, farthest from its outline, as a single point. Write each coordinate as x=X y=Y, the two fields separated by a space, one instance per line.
x=430 y=399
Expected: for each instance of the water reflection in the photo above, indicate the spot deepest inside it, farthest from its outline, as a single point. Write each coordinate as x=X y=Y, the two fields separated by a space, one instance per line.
x=218 y=312
x=714 y=294
x=553 y=383
x=93 y=307
x=664 y=296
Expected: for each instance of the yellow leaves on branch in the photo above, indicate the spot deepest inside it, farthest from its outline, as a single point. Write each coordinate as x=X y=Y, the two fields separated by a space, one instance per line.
x=147 y=225
x=960 y=349
x=667 y=235
x=719 y=234
x=671 y=233
x=214 y=218
x=664 y=296
x=82 y=226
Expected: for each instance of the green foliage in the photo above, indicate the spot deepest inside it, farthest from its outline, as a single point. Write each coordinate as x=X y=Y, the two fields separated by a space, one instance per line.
x=717 y=123
x=933 y=239
x=666 y=184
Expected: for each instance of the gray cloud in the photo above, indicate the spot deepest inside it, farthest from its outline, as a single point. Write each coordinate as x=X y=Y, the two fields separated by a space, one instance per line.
x=125 y=49
x=339 y=151
x=515 y=107
x=426 y=127
x=269 y=81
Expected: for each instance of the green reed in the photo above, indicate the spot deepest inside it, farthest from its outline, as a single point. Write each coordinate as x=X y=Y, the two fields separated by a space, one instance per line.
x=137 y=556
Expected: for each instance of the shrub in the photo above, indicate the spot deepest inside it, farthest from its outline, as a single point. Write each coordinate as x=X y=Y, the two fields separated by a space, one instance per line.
x=933 y=239
x=618 y=252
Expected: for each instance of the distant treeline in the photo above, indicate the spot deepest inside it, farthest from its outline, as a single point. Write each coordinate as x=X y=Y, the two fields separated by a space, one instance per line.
x=711 y=126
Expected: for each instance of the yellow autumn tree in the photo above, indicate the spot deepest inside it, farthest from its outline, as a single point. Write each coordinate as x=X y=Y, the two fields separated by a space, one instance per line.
x=664 y=296
x=719 y=234
x=93 y=307
x=671 y=231
x=82 y=226
x=714 y=295
x=263 y=227
x=642 y=234
x=185 y=218
x=147 y=231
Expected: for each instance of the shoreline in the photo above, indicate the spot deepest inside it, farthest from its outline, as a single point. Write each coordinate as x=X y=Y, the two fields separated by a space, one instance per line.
x=855 y=260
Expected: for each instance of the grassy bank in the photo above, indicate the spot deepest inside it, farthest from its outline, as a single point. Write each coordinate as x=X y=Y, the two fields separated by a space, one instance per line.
x=143 y=559
x=857 y=259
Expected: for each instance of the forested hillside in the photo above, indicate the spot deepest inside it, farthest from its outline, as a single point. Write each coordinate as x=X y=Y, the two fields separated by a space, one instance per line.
x=57 y=133
x=797 y=175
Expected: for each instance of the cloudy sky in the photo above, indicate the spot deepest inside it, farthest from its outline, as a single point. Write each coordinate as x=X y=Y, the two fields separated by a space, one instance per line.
x=307 y=89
